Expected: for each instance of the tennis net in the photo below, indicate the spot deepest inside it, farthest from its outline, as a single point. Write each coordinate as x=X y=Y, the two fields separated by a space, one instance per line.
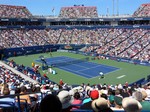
x=70 y=62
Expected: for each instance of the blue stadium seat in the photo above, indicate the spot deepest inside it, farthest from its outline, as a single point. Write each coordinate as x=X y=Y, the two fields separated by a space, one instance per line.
x=81 y=110
x=9 y=106
x=124 y=111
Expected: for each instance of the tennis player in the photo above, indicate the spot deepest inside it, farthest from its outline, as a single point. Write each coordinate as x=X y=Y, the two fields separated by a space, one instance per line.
x=101 y=75
x=50 y=52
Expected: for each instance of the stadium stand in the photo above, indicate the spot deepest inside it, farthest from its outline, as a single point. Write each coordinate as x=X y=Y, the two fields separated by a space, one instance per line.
x=78 y=12
x=132 y=43
x=142 y=11
x=8 y=11
x=129 y=43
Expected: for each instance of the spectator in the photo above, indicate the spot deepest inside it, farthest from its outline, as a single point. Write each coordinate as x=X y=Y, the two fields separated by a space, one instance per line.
x=24 y=98
x=77 y=100
x=94 y=94
x=101 y=105
x=66 y=100
x=50 y=103
x=61 y=82
x=103 y=95
x=117 y=103
x=4 y=87
x=140 y=96
x=131 y=105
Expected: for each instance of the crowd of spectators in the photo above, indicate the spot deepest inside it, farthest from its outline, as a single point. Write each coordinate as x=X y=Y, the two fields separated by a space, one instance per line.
x=144 y=54
x=9 y=76
x=130 y=46
x=143 y=11
x=124 y=43
x=128 y=43
x=8 y=11
x=99 y=98
x=78 y=12
x=135 y=46
x=21 y=38
x=9 y=40
x=54 y=35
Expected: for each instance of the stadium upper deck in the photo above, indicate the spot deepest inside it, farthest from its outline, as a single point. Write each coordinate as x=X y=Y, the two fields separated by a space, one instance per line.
x=9 y=11
x=20 y=17
x=78 y=12
x=143 y=11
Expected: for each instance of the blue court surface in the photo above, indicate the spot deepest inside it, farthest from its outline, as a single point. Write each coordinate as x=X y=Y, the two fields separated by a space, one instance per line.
x=85 y=69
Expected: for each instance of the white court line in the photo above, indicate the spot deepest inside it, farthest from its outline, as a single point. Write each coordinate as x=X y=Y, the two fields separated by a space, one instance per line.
x=89 y=68
x=121 y=76
x=109 y=72
x=63 y=68
x=78 y=65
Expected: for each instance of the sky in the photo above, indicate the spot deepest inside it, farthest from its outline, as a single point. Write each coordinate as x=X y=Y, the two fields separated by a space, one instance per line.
x=45 y=7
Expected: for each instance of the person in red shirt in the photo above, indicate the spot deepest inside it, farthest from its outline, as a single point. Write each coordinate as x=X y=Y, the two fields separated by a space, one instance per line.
x=61 y=82
x=45 y=75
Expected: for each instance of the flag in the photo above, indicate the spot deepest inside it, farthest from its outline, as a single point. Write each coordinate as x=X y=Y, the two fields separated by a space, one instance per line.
x=53 y=9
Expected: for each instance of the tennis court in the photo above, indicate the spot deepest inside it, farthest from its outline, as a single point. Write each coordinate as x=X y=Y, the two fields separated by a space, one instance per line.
x=79 y=66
